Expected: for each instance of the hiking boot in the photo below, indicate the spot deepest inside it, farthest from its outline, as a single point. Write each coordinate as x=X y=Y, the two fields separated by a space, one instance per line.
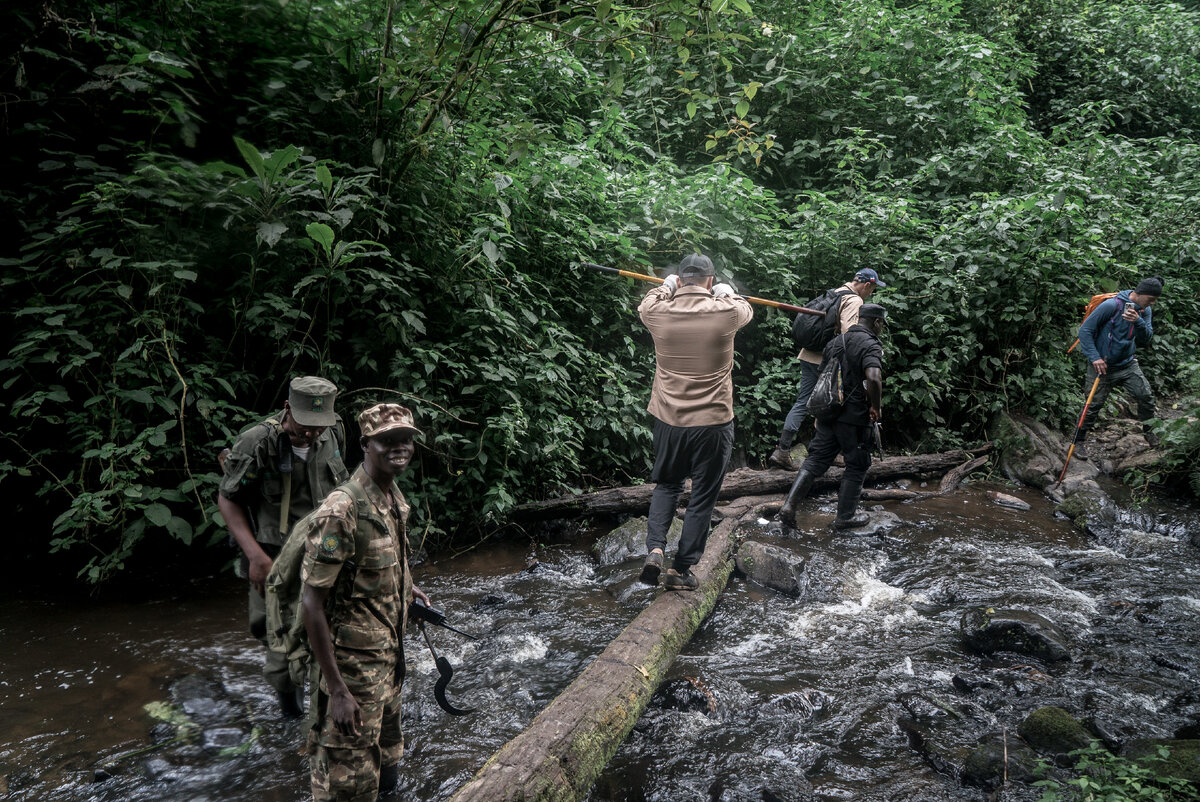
x=1151 y=438
x=652 y=568
x=1080 y=451
x=291 y=703
x=782 y=458
x=677 y=581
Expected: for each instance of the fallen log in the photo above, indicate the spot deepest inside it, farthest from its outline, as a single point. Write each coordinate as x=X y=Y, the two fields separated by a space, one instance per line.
x=742 y=482
x=563 y=751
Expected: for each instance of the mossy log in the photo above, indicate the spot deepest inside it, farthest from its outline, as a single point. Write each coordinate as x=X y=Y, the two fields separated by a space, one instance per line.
x=743 y=482
x=560 y=755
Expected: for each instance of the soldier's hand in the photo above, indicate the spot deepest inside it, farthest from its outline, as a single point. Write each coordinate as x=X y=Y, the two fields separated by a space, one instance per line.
x=1101 y=366
x=671 y=282
x=347 y=715
x=723 y=291
x=420 y=594
x=260 y=566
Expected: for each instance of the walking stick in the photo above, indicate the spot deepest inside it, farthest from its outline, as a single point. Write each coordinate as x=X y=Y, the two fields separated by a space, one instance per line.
x=657 y=280
x=1075 y=439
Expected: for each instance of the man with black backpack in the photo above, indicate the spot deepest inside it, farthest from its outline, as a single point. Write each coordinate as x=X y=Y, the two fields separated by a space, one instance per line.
x=849 y=428
x=812 y=334
x=277 y=472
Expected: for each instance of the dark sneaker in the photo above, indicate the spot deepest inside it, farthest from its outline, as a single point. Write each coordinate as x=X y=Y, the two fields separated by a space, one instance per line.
x=1151 y=439
x=652 y=568
x=677 y=581
x=853 y=522
x=1080 y=451
x=781 y=458
x=389 y=778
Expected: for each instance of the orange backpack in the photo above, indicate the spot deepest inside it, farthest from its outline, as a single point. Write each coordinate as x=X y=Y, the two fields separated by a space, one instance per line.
x=1094 y=302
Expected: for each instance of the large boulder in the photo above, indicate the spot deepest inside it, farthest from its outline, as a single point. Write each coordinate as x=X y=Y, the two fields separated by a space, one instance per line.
x=989 y=630
x=1054 y=732
x=1033 y=454
x=771 y=566
x=629 y=540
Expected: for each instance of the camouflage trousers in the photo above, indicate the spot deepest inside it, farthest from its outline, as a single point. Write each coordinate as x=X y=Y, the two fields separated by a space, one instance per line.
x=276 y=669
x=346 y=768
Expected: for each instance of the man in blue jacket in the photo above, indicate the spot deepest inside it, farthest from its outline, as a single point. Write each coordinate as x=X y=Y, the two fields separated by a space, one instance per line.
x=1109 y=338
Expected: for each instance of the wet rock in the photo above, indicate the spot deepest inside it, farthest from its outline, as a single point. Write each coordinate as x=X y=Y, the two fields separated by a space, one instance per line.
x=771 y=566
x=101 y=775
x=1182 y=762
x=997 y=757
x=219 y=738
x=687 y=694
x=879 y=522
x=796 y=706
x=629 y=540
x=200 y=698
x=1005 y=500
x=1091 y=509
x=996 y=630
x=1054 y=732
x=496 y=601
x=1032 y=454
x=159 y=770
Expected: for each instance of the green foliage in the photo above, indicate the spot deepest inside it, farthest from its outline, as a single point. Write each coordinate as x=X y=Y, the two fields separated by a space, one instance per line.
x=212 y=199
x=1105 y=777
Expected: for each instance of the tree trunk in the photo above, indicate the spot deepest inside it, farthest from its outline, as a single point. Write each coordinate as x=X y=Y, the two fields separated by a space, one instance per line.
x=739 y=483
x=563 y=751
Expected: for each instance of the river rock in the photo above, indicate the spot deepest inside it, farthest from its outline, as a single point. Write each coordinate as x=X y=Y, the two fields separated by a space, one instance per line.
x=629 y=540
x=218 y=738
x=1032 y=454
x=1054 y=732
x=998 y=757
x=996 y=630
x=1183 y=761
x=771 y=566
x=1005 y=500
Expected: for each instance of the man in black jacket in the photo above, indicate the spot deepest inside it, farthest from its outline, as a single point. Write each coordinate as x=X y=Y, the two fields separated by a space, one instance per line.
x=851 y=432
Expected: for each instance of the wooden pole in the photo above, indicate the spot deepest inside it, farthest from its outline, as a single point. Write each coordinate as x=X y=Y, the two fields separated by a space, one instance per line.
x=657 y=280
x=1078 y=426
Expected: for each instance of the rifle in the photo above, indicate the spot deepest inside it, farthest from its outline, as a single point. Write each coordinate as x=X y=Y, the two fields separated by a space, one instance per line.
x=435 y=616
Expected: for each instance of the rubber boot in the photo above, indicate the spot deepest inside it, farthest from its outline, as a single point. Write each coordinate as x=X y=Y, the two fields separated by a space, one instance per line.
x=291 y=703
x=846 y=507
x=800 y=487
x=389 y=778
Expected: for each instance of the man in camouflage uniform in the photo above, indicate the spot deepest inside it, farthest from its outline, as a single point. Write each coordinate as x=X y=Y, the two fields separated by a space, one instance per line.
x=294 y=457
x=357 y=589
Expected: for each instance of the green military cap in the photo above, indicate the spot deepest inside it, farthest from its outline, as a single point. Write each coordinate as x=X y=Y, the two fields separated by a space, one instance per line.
x=311 y=401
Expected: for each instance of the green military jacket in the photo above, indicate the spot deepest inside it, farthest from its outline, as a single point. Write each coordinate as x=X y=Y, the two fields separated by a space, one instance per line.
x=361 y=553
x=252 y=477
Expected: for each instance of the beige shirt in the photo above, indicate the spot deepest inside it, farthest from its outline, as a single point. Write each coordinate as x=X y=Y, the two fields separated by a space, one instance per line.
x=693 y=354
x=847 y=317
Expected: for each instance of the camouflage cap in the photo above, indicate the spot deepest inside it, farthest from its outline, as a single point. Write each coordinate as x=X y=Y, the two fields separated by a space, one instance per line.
x=310 y=399
x=383 y=418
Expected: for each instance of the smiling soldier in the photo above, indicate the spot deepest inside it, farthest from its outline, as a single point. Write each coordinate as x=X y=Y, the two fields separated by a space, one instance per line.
x=357 y=589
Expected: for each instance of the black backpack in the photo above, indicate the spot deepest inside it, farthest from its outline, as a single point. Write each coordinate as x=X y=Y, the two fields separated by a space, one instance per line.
x=829 y=393
x=813 y=332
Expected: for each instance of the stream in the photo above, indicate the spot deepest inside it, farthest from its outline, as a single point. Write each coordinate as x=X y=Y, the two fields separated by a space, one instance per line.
x=775 y=698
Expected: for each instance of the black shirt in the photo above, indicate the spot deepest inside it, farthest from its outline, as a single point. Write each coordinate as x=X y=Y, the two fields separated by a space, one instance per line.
x=862 y=351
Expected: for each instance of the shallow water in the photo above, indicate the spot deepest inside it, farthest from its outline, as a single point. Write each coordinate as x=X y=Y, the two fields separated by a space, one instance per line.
x=800 y=692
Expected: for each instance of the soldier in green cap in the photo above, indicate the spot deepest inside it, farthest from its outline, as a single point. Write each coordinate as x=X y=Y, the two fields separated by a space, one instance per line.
x=277 y=472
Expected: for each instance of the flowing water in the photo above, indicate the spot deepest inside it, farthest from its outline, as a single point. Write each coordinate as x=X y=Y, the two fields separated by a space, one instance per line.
x=793 y=694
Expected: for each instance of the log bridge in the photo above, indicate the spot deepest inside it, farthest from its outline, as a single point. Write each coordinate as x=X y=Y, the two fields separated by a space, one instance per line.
x=561 y=753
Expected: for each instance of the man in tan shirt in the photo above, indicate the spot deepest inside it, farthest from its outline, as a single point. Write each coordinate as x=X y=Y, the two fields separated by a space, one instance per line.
x=693 y=324
x=855 y=293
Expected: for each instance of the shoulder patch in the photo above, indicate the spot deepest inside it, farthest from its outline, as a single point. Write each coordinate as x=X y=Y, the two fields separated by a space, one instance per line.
x=330 y=543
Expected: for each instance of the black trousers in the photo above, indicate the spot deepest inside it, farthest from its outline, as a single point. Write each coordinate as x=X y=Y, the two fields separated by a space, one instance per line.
x=700 y=453
x=852 y=441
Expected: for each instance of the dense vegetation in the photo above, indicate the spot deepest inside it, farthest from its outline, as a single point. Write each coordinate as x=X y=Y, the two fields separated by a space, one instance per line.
x=212 y=196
